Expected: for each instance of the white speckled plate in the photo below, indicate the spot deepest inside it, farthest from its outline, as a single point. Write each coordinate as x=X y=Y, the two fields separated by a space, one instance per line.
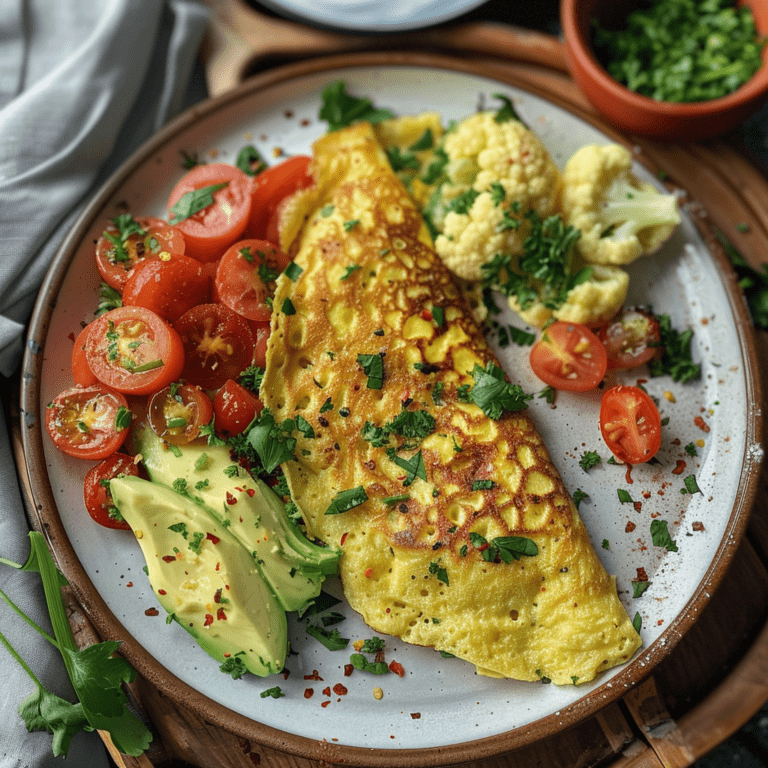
x=374 y=15
x=441 y=711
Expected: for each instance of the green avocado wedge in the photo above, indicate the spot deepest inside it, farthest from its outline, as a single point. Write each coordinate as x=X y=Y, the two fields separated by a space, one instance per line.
x=203 y=576
x=252 y=513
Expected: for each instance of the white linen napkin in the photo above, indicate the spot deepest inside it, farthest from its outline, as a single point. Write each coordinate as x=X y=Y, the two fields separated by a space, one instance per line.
x=82 y=84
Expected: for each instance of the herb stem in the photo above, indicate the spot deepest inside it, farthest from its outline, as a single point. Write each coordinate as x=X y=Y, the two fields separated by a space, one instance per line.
x=34 y=625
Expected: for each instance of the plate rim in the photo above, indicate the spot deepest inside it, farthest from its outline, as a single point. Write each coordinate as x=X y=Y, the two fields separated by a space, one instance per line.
x=290 y=11
x=42 y=509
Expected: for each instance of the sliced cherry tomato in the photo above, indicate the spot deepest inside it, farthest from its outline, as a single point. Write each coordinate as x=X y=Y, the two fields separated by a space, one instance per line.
x=631 y=338
x=98 y=499
x=88 y=422
x=218 y=344
x=235 y=408
x=177 y=412
x=260 y=338
x=211 y=205
x=569 y=356
x=630 y=423
x=274 y=184
x=133 y=350
x=82 y=375
x=168 y=286
x=246 y=276
x=127 y=241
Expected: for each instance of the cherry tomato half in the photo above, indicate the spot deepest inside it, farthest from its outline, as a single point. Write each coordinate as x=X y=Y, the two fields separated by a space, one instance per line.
x=128 y=241
x=210 y=206
x=168 y=286
x=631 y=338
x=569 y=356
x=82 y=375
x=630 y=424
x=235 y=408
x=218 y=344
x=271 y=186
x=246 y=276
x=133 y=350
x=88 y=422
x=177 y=412
x=98 y=499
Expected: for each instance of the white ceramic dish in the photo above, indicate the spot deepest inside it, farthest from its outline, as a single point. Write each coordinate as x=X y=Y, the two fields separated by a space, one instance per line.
x=374 y=15
x=441 y=708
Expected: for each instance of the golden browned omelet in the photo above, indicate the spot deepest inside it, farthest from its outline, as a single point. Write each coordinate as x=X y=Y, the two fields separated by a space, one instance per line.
x=455 y=527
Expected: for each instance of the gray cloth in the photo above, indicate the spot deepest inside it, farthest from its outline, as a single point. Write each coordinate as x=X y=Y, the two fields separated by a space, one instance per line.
x=82 y=84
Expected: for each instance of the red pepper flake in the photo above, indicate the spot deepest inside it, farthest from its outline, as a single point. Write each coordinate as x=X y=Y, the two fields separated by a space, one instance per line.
x=231 y=499
x=251 y=492
x=406 y=395
x=641 y=575
x=343 y=538
x=217 y=596
x=227 y=654
x=638 y=505
x=397 y=668
x=698 y=526
x=324 y=704
x=161 y=592
x=208 y=620
x=368 y=573
x=701 y=424
x=425 y=314
x=309 y=693
x=630 y=527
x=151 y=612
x=314 y=676
x=218 y=565
x=169 y=558
x=680 y=468
x=340 y=690
x=129 y=584
x=212 y=538
x=220 y=615
x=348 y=668
x=415 y=715
x=327 y=690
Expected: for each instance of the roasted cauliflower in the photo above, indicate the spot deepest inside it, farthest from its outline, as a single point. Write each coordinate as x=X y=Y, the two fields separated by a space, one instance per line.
x=620 y=217
x=494 y=170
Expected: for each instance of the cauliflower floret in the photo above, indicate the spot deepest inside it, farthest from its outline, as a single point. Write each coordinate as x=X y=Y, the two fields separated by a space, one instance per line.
x=496 y=171
x=620 y=217
x=595 y=300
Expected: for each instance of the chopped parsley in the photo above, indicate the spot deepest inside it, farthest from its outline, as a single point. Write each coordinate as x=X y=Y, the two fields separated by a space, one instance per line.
x=346 y=500
x=417 y=424
x=482 y=485
x=676 y=360
x=194 y=201
x=661 y=537
x=413 y=466
x=589 y=459
x=352 y=268
x=493 y=394
x=373 y=367
x=435 y=569
x=234 y=666
x=250 y=161
x=579 y=496
x=340 y=109
x=503 y=548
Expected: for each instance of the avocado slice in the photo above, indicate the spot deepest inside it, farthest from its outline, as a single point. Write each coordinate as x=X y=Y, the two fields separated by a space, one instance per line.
x=203 y=577
x=250 y=510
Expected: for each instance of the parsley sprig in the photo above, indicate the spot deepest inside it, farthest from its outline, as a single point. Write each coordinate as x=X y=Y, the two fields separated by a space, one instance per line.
x=96 y=673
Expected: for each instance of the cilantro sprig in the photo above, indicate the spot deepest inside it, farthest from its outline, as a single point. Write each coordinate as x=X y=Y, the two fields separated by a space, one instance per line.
x=340 y=109
x=95 y=672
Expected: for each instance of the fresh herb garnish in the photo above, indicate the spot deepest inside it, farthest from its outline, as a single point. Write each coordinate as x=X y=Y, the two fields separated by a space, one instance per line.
x=676 y=360
x=234 y=667
x=194 y=201
x=579 y=496
x=346 y=500
x=413 y=466
x=272 y=445
x=661 y=537
x=493 y=394
x=331 y=639
x=588 y=460
x=373 y=368
x=417 y=424
x=506 y=112
x=340 y=109
x=96 y=674
x=504 y=548
x=250 y=161
x=440 y=572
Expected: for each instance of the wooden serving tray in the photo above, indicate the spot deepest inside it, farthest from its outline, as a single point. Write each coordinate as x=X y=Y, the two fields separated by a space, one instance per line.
x=716 y=678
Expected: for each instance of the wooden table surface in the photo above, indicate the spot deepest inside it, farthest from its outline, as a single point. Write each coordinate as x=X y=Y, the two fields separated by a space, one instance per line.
x=717 y=676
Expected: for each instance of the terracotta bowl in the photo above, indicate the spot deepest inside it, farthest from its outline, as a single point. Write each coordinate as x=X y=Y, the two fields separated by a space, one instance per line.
x=695 y=121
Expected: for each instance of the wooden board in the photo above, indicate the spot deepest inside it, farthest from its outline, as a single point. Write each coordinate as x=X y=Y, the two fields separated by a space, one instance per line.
x=717 y=677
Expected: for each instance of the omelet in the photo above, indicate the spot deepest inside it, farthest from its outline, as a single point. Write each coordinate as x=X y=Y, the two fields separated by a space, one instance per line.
x=414 y=453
